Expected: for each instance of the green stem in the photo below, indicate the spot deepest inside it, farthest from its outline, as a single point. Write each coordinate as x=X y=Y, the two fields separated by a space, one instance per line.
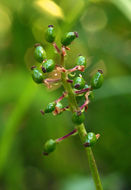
x=13 y=122
x=81 y=129
x=91 y=160
x=72 y=100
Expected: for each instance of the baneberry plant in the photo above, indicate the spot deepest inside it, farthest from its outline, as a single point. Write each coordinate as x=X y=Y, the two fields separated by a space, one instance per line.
x=74 y=87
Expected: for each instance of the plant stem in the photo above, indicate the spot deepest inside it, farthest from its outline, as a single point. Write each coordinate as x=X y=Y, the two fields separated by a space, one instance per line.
x=72 y=133
x=81 y=128
x=91 y=160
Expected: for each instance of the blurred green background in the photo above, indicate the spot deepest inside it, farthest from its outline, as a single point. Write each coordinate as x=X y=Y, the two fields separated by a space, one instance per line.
x=104 y=29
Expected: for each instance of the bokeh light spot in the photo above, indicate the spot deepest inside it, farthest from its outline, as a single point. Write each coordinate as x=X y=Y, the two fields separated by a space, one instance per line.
x=5 y=20
x=50 y=7
x=94 y=19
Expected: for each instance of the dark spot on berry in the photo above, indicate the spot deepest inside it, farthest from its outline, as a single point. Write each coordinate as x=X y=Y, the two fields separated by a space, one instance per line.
x=86 y=144
x=36 y=45
x=33 y=67
x=100 y=71
x=76 y=34
x=78 y=113
x=77 y=86
x=43 y=69
x=45 y=153
x=50 y=26
x=42 y=112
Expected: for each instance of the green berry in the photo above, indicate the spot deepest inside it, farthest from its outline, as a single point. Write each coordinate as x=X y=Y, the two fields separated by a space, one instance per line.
x=48 y=66
x=81 y=60
x=90 y=139
x=49 y=146
x=91 y=95
x=86 y=86
x=59 y=105
x=78 y=118
x=37 y=76
x=39 y=53
x=78 y=83
x=68 y=38
x=50 y=107
x=50 y=34
x=97 y=80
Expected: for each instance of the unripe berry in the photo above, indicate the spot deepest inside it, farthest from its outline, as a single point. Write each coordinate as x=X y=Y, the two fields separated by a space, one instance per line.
x=50 y=34
x=97 y=80
x=59 y=105
x=81 y=60
x=37 y=76
x=49 y=146
x=78 y=118
x=90 y=139
x=58 y=108
x=48 y=66
x=91 y=95
x=78 y=83
x=68 y=38
x=86 y=86
x=50 y=107
x=39 y=53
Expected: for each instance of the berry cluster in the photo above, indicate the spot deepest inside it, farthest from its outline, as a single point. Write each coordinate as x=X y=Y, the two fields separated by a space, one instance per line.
x=74 y=78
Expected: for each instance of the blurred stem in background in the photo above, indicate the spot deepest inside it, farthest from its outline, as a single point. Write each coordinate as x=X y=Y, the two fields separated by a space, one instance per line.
x=14 y=120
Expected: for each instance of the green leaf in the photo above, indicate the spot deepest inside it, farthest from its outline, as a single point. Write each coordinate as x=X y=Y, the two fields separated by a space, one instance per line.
x=124 y=6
